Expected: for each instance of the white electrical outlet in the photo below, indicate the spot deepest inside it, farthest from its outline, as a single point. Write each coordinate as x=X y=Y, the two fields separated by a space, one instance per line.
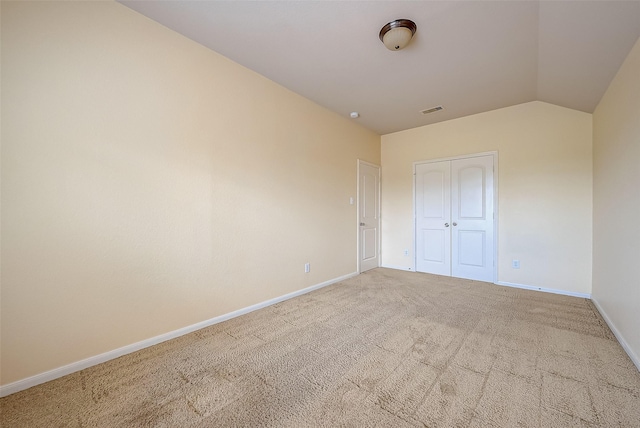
x=307 y=267
x=515 y=264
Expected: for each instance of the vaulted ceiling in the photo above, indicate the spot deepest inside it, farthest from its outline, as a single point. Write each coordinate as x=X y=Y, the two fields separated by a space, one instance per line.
x=468 y=56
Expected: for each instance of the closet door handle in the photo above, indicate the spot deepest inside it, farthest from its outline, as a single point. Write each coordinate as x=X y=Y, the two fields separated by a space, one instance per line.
x=455 y=224
x=446 y=225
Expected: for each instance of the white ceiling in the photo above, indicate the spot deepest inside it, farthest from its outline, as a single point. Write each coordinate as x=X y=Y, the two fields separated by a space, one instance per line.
x=468 y=56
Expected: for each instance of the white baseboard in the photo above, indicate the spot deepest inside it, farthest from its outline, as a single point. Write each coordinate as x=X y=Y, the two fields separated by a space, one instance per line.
x=618 y=335
x=23 y=384
x=409 y=269
x=544 y=290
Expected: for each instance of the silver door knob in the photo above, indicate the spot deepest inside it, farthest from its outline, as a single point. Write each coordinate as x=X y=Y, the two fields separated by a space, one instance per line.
x=362 y=224
x=455 y=224
x=446 y=225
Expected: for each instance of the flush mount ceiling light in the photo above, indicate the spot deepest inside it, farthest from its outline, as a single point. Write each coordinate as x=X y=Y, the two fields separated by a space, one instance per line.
x=397 y=34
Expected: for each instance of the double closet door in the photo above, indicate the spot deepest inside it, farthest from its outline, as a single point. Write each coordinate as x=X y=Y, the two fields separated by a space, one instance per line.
x=455 y=218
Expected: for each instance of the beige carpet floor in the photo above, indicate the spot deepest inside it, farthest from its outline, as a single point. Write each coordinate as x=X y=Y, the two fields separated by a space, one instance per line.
x=385 y=348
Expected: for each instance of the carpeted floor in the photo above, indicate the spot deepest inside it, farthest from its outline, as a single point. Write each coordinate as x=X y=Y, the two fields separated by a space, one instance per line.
x=385 y=348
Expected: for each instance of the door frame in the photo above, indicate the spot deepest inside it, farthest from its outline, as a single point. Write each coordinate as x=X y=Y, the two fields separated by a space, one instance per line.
x=358 y=230
x=496 y=230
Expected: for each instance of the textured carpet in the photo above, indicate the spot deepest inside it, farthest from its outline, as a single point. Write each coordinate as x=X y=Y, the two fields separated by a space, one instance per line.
x=385 y=348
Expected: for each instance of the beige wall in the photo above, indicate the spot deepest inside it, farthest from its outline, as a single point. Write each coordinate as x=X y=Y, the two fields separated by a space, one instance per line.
x=545 y=189
x=616 y=204
x=149 y=184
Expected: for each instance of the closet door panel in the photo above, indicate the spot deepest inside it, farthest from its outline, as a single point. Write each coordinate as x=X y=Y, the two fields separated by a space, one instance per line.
x=472 y=224
x=433 y=212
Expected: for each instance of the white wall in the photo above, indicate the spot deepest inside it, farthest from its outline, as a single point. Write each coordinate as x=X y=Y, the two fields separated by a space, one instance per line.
x=616 y=204
x=149 y=183
x=545 y=189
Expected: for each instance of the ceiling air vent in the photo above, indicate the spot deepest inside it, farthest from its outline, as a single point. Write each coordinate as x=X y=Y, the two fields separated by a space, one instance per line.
x=432 y=110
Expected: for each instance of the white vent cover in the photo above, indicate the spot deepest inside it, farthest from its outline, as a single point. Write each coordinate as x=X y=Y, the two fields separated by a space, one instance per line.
x=432 y=110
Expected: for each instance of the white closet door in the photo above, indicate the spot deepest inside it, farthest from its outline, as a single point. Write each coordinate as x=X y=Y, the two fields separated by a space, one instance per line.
x=472 y=224
x=455 y=218
x=433 y=212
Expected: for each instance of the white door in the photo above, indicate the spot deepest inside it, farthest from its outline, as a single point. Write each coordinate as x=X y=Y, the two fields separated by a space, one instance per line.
x=368 y=216
x=455 y=218
x=472 y=218
x=433 y=214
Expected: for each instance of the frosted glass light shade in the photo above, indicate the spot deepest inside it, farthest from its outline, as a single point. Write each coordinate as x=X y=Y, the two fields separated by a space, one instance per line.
x=397 y=34
x=397 y=38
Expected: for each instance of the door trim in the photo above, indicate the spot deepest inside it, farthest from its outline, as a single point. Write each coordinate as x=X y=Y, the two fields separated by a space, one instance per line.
x=358 y=237
x=496 y=230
